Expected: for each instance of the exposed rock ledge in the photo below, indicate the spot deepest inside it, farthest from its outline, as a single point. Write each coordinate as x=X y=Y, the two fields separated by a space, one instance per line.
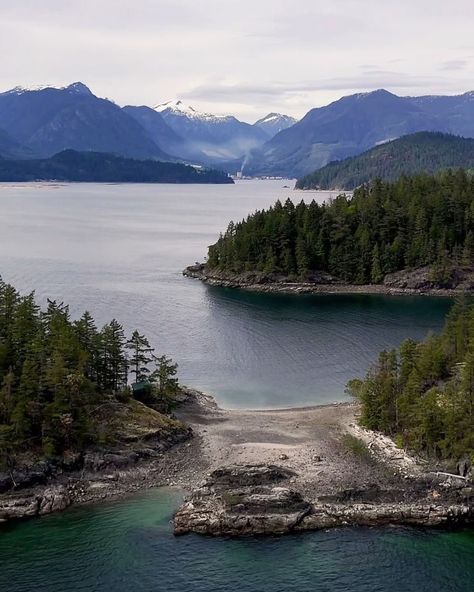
x=410 y=281
x=44 y=501
x=144 y=441
x=243 y=500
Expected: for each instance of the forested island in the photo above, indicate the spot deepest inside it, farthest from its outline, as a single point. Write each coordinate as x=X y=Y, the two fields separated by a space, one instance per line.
x=423 y=152
x=98 y=167
x=422 y=395
x=416 y=232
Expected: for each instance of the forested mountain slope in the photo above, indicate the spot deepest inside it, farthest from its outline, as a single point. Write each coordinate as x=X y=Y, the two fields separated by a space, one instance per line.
x=423 y=152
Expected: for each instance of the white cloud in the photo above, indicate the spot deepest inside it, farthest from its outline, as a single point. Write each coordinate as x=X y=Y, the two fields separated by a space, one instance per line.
x=239 y=56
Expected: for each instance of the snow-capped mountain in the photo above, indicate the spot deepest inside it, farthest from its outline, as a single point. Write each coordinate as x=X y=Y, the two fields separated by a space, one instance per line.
x=274 y=123
x=179 y=109
x=48 y=120
x=217 y=137
x=75 y=87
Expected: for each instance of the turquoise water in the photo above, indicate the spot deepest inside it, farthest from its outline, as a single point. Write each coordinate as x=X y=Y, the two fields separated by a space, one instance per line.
x=118 y=251
x=128 y=546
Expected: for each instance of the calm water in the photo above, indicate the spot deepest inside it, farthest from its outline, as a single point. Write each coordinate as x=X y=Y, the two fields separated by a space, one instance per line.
x=127 y=546
x=118 y=251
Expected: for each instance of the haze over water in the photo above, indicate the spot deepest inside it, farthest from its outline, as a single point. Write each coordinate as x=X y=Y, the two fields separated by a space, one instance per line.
x=118 y=251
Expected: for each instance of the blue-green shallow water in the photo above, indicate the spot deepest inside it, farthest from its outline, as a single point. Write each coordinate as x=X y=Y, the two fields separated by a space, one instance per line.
x=128 y=546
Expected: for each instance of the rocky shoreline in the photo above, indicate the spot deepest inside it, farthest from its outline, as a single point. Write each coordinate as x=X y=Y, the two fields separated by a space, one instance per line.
x=412 y=282
x=273 y=472
x=139 y=460
x=268 y=472
x=256 y=500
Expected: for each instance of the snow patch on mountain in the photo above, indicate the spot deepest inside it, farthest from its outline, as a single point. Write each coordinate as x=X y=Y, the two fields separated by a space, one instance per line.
x=178 y=108
x=273 y=123
x=77 y=87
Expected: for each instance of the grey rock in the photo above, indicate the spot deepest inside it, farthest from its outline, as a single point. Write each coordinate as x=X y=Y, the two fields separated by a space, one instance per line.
x=253 y=500
x=54 y=499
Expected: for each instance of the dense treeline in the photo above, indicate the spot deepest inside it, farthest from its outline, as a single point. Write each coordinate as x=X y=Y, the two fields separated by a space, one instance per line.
x=54 y=372
x=427 y=152
x=384 y=227
x=98 y=167
x=423 y=394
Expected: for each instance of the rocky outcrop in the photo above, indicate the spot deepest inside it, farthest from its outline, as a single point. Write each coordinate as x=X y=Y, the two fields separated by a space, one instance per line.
x=259 y=281
x=34 y=488
x=255 y=499
x=242 y=500
x=332 y=515
x=51 y=499
x=423 y=280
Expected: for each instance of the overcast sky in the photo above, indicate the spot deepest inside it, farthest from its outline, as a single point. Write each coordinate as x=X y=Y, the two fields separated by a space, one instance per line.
x=245 y=57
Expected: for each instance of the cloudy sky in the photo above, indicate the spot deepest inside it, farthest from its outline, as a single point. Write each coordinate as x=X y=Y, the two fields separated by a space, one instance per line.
x=245 y=57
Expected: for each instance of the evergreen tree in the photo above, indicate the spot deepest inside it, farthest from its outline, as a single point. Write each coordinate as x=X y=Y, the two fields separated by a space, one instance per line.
x=383 y=228
x=141 y=356
x=55 y=372
x=424 y=393
x=165 y=376
x=376 y=274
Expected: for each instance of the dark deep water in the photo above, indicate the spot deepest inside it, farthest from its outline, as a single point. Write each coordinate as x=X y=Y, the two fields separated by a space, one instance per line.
x=118 y=250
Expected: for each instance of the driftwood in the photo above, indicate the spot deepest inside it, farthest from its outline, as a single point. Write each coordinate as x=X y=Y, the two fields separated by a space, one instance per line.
x=438 y=473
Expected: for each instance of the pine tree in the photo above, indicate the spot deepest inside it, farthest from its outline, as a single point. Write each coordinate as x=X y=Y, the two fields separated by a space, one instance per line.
x=113 y=360
x=376 y=270
x=165 y=376
x=141 y=356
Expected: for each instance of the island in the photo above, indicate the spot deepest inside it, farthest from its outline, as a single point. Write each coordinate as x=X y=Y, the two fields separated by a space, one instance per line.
x=410 y=236
x=98 y=167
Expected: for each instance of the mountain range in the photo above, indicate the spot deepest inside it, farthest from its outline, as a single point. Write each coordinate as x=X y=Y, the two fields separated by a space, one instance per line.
x=49 y=120
x=38 y=123
x=423 y=152
x=356 y=123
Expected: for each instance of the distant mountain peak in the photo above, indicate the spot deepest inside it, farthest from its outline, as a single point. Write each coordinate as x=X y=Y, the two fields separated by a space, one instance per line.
x=80 y=88
x=379 y=92
x=179 y=108
x=272 y=117
x=273 y=123
x=77 y=87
